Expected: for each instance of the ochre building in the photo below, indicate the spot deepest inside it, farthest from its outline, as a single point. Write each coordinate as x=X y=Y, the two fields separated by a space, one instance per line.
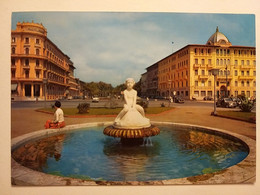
x=38 y=66
x=187 y=72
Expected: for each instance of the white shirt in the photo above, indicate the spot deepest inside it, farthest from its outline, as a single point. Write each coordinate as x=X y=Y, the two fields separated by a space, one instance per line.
x=58 y=115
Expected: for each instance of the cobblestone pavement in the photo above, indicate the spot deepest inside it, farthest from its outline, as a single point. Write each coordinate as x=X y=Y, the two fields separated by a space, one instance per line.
x=26 y=120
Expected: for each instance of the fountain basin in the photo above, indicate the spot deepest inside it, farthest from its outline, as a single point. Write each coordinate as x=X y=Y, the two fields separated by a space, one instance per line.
x=131 y=133
x=230 y=175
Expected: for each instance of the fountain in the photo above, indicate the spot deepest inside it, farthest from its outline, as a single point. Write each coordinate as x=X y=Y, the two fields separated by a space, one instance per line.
x=131 y=125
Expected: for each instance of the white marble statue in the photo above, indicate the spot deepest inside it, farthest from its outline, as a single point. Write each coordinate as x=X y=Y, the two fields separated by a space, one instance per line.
x=132 y=116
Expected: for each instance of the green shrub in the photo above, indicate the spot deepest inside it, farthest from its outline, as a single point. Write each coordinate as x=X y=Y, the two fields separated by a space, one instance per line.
x=162 y=105
x=83 y=108
x=246 y=106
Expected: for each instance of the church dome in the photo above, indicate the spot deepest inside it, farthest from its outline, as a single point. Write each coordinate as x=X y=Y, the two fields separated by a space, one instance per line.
x=218 y=38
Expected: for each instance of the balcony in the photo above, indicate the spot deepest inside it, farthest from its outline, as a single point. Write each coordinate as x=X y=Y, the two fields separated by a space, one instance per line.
x=210 y=65
x=39 y=67
x=224 y=77
x=57 y=82
x=29 y=56
x=26 y=67
x=246 y=77
x=13 y=66
x=243 y=67
x=203 y=87
x=196 y=65
x=203 y=77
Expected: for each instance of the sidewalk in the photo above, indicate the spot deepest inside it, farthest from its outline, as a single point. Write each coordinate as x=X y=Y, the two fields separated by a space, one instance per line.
x=28 y=120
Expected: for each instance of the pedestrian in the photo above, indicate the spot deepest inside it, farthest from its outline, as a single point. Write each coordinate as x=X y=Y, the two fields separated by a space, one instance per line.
x=170 y=101
x=147 y=100
x=58 y=121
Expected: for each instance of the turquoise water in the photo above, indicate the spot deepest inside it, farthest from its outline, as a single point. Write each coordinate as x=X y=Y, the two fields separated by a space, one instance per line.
x=174 y=153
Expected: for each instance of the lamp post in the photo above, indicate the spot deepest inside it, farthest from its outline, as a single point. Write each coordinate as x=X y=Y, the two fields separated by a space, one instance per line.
x=226 y=92
x=45 y=81
x=215 y=72
x=170 y=87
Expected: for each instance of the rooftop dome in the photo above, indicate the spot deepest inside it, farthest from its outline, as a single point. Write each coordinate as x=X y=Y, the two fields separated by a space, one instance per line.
x=218 y=38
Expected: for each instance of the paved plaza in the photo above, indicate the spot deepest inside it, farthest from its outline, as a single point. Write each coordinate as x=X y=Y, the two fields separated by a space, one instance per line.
x=26 y=120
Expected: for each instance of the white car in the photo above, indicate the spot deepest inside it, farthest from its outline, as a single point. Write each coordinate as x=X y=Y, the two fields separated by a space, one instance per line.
x=95 y=99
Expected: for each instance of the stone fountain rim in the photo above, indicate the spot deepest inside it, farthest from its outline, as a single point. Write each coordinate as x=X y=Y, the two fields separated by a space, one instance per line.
x=242 y=172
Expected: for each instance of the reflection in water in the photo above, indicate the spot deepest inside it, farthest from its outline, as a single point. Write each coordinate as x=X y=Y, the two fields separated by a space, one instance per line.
x=175 y=153
x=35 y=154
x=131 y=161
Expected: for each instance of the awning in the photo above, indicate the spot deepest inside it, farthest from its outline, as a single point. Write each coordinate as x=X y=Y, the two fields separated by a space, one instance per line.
x=13 y=87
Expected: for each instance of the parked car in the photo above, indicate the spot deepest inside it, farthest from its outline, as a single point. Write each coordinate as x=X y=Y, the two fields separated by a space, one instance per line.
x=208 y=98
x=178 y=99
x=226 y=103
x=237 y=100
x=193 y=98
x=77 y=97
x=95 y=99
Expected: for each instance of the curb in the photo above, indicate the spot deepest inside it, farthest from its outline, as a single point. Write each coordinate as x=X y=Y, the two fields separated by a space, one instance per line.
x=233 y=118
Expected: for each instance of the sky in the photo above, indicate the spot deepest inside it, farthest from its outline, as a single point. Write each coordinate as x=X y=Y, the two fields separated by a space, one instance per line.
x=113 y=46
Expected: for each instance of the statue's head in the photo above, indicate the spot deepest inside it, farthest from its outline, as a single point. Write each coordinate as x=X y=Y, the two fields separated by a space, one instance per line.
x=130 y=82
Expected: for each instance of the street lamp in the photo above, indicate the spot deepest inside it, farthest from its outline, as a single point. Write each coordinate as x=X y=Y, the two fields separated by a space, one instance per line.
x=45 y=81
x=215 y=72
x=226 y=92
x=170 y=87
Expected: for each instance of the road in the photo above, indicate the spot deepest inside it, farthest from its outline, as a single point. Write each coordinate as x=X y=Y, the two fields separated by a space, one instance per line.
x=102 y=103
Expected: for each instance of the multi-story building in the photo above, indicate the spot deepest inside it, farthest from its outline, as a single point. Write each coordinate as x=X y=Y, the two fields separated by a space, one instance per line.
x=38 y=66
x=144 y=84
x=152 y=80
x=187 y=72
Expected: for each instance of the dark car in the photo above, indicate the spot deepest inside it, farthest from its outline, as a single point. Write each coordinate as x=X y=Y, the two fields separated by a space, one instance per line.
x=226 y=103
x=208 y=98
x=178 y=99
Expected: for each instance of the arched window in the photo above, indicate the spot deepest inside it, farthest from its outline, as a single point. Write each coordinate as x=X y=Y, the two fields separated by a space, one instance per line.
x=13 y=73
x=222 y=42
x=37 y=62
x=37 y=74
x=228 y=62
x=37 y=52
x=248 y=84
x=27 y=74
x=27 y=51
x=242 y=83
x=13 y=50
x=26 y=62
